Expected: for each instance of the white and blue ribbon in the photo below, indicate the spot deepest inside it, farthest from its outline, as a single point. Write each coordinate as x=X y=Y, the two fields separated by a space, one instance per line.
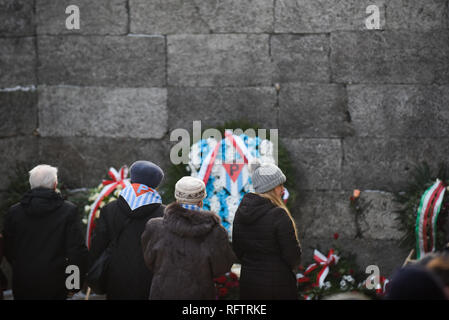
x=190 y=206
x=144 y=199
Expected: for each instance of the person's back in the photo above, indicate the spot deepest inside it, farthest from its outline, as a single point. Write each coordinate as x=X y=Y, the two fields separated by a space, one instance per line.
x=263 y=241
x=42 y=237
x=121 y=225
x=264 y=238
x=128 y=277
x=186 y=248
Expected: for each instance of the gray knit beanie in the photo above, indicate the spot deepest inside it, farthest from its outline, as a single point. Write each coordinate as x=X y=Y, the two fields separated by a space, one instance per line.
x=265 y=176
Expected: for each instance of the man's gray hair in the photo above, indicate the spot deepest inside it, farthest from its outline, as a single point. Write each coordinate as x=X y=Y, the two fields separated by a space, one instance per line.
x=43 y=176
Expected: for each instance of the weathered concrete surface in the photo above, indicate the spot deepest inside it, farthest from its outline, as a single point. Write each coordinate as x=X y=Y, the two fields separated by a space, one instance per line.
x=215 y=106
x=19 y=109
x=103 y=112
x=16 y=18
x=386 y=163
x=317 y=162
x=100 y=17
x=83 y=162
x=313 y=111
x=311 y=16
x=17 y=62
x=16 y=151
x=399 y=110
x=417 y=15
x=218 y=60
x=390 y=57
x=192 y=16
x=300 y=58
x=111 y=61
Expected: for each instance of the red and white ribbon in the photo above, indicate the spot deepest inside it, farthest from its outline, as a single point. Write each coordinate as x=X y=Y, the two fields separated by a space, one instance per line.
x=324 y=262
x=209 y=161
x=118 y=178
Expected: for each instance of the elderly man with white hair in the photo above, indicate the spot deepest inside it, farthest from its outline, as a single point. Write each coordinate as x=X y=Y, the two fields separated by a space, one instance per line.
x=42 y=237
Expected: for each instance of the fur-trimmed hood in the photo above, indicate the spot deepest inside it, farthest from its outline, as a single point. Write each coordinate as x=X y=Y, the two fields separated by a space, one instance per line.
x=189 y=223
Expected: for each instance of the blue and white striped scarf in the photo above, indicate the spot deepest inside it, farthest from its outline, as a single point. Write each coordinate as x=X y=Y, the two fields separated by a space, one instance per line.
x=138 y=195
x=190 y=207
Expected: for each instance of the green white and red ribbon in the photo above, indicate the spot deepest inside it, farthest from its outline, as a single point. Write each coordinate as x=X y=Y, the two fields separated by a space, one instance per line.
x=323 y=262
x=426 y=218
x=118 y=178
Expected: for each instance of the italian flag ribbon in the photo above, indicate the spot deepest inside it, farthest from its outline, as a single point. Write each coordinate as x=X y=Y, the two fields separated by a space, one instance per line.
x=324 y=262
x=426 y=218
x=117 y=178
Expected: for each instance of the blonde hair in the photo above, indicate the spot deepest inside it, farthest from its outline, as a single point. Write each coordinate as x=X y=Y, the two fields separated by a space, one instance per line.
x=278 y=202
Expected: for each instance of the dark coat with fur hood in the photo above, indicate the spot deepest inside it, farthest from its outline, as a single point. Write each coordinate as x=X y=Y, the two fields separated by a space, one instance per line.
x=185 y=250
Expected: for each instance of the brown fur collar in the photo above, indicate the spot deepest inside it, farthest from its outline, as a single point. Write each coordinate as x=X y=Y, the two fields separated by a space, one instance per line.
x=189 y=223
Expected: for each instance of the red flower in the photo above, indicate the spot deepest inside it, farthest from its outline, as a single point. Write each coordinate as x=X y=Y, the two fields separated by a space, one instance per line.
x=336 y=235
x=301 y=268
x=352 y=199
x=351 y=271
x=233 y=276
x=222 y=292
x=221 y=280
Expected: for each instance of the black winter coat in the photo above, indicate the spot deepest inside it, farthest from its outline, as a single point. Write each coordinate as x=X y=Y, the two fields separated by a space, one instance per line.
x=186 y=249
x=42 y=236
x=264 y=240
x=128 y=277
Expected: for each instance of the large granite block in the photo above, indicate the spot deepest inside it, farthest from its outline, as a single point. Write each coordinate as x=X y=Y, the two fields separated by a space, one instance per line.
x=314 y=16
x=219 y=60
x=103 y=112
x=16 y=18
x=111 y=61
x=386 y=163
x=399 y=110
x=313 y=111
x=16 y=151
x=417 y=14
x=100 y=17
x=215 y=106
x=301 y=58
x=19 y=112
x=317 y=162
x=17 y=62
x=390 y=57
x=191 y=16
x=85 y=161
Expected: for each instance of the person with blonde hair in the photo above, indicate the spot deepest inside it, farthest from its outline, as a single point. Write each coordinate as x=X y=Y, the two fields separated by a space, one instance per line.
x=265 y=238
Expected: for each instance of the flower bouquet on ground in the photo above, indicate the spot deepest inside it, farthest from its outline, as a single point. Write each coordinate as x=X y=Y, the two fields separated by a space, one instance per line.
x=227 y=286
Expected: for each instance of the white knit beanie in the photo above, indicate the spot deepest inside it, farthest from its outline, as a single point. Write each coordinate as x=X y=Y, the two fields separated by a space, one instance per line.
x=265 y=176
x=190 y=190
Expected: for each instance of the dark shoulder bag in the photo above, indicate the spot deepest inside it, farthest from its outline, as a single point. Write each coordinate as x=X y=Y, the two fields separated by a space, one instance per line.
x=97 y=275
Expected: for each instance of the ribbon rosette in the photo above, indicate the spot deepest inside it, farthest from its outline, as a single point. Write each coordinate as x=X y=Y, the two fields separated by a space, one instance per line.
x=118 y=178
x=325 y=263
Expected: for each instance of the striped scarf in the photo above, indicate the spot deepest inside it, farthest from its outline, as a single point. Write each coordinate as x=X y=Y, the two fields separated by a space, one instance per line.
x=190 y=207
x=138 y=195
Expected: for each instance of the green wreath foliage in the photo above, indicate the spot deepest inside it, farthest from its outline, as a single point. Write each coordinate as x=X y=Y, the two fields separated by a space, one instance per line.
x=176 y=172
x=422 y=177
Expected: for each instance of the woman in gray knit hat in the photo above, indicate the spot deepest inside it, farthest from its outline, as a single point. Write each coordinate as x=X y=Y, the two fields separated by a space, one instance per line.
x=265 y=238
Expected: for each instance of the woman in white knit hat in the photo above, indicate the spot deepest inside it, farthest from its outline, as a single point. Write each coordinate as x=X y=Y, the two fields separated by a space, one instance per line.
x=264 y=238
x=187 y=248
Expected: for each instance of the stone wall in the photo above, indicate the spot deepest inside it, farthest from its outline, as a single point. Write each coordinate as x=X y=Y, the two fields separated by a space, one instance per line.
x=356 y=108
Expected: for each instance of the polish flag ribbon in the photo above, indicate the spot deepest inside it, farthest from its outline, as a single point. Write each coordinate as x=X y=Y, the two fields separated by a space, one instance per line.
x=324 y=262
x=118 y=178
